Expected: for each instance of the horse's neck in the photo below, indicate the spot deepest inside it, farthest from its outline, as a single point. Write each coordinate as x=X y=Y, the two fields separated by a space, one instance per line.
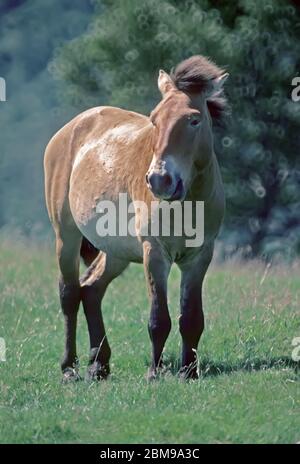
x=205 y=180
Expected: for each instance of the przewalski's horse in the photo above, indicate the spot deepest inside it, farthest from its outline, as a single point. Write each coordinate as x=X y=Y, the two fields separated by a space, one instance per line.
x=168 y=155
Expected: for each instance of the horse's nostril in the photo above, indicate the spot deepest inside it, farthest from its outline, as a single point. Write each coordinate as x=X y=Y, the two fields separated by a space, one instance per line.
x=152 y=180
x=167 y=180
x=159 y=183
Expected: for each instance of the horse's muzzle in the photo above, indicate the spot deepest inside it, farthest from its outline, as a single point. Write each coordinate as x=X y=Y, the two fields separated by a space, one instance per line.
x=165 y=186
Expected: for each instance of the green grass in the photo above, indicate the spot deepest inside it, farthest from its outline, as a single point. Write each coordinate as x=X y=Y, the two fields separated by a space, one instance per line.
x=248 y=391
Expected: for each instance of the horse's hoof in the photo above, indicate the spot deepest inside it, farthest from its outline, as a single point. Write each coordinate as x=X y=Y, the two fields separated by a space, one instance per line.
x=188 y=373
x=152 y=375
x=70 y=375
x=156 y=373
x=97 y=371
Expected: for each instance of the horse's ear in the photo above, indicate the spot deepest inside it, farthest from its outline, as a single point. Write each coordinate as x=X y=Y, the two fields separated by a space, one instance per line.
x=164 y=82
x=217 y=84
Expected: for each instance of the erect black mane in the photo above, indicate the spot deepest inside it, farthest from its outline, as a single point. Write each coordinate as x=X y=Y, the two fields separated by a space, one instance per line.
x=194 y=75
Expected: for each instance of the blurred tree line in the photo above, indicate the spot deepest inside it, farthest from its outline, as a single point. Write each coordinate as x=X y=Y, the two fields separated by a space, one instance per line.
x=29 y=32
x=116 y=62
x=114 y=59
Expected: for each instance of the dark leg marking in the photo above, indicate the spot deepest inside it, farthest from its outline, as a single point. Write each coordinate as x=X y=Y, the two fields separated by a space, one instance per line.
x=156 y=271
x=93 y=286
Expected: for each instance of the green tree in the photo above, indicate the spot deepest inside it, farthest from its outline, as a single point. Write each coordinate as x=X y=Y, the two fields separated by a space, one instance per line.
x=116 y=62
x=29 y=31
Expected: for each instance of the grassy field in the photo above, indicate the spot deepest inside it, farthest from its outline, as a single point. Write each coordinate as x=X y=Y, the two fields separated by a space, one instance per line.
x=248 y=391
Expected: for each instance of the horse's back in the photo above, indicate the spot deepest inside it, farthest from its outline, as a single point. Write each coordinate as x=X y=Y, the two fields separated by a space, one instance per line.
x=68 y=146
x=111 y=158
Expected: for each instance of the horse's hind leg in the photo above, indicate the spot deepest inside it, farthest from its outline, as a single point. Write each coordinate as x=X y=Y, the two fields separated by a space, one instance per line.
x=93 y=286
x=67 y=248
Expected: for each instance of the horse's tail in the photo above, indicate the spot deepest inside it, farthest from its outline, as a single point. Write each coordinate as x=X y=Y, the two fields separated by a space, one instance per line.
x=88 y=252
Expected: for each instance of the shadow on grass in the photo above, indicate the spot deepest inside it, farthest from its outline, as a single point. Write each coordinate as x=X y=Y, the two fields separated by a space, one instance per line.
x=210 y=368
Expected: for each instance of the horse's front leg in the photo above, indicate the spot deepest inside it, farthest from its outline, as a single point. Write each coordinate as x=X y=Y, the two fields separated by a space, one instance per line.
x=157 y=269
x=191 y=322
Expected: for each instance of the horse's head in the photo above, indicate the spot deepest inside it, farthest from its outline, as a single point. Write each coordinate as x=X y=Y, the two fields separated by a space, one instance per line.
x=182 y=121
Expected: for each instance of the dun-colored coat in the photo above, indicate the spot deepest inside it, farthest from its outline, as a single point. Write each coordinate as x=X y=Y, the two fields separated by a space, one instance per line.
x=169 y=156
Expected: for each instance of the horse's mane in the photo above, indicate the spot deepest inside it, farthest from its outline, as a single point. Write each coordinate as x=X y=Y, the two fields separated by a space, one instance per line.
x=194 y=75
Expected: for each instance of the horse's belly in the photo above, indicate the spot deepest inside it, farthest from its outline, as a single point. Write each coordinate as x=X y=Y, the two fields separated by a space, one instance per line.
x=125 y=247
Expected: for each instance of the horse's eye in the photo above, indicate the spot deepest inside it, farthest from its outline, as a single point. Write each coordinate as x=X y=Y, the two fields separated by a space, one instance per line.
x=195 y=122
